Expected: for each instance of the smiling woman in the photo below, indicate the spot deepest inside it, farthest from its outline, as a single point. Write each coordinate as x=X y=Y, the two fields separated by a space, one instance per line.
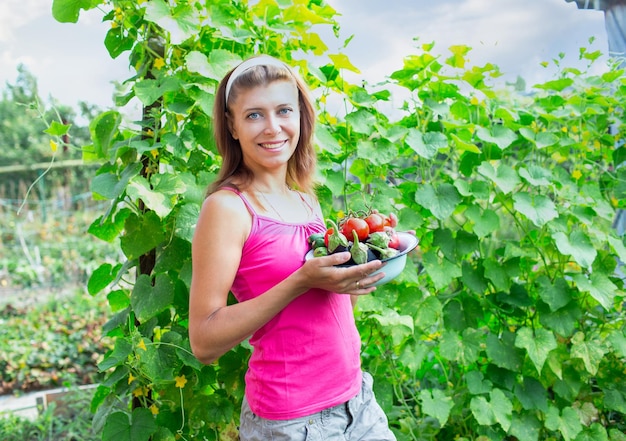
x=296 y=313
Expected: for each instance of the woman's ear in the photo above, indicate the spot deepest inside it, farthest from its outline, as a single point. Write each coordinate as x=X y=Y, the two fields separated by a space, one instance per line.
x=231 y=126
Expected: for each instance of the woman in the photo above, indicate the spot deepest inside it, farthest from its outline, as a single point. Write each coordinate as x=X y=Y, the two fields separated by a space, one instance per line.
x=304 y=376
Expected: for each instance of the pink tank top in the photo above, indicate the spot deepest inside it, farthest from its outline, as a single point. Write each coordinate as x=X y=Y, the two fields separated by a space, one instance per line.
x=307 y=358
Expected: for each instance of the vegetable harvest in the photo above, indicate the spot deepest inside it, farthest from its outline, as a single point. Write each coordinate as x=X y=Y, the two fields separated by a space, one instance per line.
x=367 y=236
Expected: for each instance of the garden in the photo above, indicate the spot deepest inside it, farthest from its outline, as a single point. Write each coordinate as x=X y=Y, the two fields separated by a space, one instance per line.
x=507 y=322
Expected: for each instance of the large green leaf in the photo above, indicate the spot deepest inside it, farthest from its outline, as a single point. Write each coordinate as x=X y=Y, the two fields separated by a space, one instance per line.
x=181 y=22
x=67 y=11
x=440 y=270
x=503 y=176
x=498 y=409
x=501 y=136
x=138 y=426
x=576 y=245
x=538 y=209
x=599 y=286
x=538 y=343
x=142 y=234
x=567 y=422
x=441 y=200
x=590 y=351
x=437 y=404
x=149 y=299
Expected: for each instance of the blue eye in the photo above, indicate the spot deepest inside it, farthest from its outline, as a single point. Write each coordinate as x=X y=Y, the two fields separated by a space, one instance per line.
x=254 y=115
x=285 y=110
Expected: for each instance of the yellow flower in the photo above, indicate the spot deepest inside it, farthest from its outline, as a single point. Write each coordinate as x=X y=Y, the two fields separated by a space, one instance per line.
x=159 y=63
x=576 y=174
x=131 y=378
x=53 y=145
x=181 y=381
x=139 y=392
x=142 y=345
x=154 y=409
x=564 y=129
x=474 y=101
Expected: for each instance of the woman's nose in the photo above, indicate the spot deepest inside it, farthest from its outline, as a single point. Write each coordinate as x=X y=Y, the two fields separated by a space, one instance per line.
x=272 y=125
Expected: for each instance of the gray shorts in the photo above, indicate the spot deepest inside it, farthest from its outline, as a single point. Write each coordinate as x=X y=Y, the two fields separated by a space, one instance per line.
x=360 y=419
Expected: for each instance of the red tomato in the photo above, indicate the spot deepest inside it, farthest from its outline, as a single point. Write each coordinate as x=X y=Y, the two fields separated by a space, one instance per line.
x=375 y=222
x=355 y=224
x=395 y=240
x=328 y=233
x=391 y=220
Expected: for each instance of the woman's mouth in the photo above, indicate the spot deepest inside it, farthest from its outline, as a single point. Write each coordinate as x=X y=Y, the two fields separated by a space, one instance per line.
x=273 y=145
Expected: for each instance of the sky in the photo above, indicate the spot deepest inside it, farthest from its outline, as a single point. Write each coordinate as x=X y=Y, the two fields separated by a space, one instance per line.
x=71 y=63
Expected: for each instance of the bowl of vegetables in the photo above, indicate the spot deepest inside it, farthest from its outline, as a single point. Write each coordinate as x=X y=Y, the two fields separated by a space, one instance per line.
x=367 y=237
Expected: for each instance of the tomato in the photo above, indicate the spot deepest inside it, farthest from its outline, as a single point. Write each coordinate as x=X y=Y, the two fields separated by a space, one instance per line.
x=375 y=222
x=394 y=239
x=355 y=224
x=391 y=220
x=327 y=234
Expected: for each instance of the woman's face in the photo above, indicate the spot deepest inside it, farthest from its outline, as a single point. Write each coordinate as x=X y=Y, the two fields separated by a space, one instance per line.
x=266 y=121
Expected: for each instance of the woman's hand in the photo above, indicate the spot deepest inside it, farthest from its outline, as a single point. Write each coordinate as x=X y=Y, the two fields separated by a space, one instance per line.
x=321 y=272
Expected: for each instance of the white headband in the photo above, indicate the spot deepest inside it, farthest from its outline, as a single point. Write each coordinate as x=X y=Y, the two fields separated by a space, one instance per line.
x=263 y=60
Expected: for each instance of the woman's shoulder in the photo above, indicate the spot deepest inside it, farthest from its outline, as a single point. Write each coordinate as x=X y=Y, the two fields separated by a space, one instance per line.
x=225 y=199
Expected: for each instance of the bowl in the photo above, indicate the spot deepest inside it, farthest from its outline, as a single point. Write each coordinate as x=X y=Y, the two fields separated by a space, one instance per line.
x=394 y=265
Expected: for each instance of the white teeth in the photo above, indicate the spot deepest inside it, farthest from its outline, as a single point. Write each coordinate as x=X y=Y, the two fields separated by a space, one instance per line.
x=271 y=146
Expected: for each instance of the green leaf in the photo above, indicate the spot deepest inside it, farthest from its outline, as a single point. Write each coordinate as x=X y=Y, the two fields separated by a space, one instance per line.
x=590 y=351
x=437 y=404
x=142 y=234
x=498 y=410
x=428 y=313
x=535 y=175
x=538 y=209
x=325 y=141
x=599 y=286
x=120 y=426
x=538 y=344
x=504 y=176
x=186 y=220
x=463 y=348
x=501 y=136
x=57 y=129
x=617 y=339
x=103 y=130
x=362 y=121
x=118 y=356
x=532 y=395
x=617 y=243
x=117 y=42
x=215 y=66
x=426 y=145
x=181 y=22
x=502 y=352
x=159 y=362
x=148 y=91
x=112 y=186
x=576 y=245
x=568 y=423
x=440 y=270
x=477 y=384
x=595 y=432
x=100 y=278
x=485 y=221
x=67 y=11
x=148 y=300
x=378 y=152
x=441 y=200
x=541 y=139
x=159 y=195
x=556 y=295
x=526 y=427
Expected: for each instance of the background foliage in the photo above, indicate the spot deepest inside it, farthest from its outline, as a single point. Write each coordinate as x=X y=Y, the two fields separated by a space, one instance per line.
x=508 y=325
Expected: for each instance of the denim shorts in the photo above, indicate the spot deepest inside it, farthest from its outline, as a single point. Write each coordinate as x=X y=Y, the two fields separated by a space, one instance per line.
x=360 y=419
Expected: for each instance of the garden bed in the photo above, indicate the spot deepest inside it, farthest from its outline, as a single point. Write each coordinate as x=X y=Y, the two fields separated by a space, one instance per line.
x=50 y=339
